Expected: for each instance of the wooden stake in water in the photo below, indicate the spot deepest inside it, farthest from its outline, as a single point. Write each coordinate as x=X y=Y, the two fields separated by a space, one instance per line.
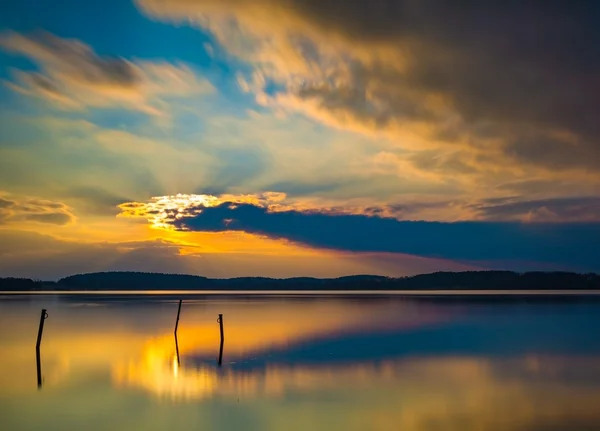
x=43 y=317
x=220 y=320
x=177 y=321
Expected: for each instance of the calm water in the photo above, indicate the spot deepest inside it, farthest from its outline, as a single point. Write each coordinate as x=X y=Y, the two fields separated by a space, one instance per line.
x=301 y=363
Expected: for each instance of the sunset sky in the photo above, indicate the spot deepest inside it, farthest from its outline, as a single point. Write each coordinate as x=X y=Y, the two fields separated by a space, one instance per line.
x=298 y=137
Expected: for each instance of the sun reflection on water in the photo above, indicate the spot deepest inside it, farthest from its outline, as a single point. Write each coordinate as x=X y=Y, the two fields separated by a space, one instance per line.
x=127 y=365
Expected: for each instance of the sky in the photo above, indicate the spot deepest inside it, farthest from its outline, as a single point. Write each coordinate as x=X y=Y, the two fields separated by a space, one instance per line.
x=290 y=138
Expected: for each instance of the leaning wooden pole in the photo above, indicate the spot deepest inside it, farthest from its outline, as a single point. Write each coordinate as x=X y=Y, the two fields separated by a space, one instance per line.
x=220 y=320
x=177 y=321
x=43 y=317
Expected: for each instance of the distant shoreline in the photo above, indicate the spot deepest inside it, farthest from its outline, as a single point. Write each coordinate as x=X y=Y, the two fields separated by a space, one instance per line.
x=462 y=292
x=439 y=282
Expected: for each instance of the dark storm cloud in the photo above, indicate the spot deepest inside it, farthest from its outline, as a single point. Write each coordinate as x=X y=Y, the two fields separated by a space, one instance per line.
x=560 y=244
x=509 y=62
x=525 y=73
x=543 y=54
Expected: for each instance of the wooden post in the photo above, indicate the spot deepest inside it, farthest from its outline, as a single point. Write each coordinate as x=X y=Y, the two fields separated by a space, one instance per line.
x=220 y=320
x=177 y=321
x=43 y=317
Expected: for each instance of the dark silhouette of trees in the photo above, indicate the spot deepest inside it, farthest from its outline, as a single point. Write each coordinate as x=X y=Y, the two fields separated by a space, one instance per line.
x=469 y=280
x=8 y=284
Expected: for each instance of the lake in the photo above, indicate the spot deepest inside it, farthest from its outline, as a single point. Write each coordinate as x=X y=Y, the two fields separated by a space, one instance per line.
x=301 y=362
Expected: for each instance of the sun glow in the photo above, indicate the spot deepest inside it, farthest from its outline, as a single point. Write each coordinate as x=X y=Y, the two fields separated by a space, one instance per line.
x=162 y=211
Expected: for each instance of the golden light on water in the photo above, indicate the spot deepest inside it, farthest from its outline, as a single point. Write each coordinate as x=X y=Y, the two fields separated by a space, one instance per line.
x=482 y=388
x=94 y=352
x=175 y=366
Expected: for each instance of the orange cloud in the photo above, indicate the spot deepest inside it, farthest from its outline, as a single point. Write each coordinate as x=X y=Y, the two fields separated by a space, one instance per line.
x=25 y=210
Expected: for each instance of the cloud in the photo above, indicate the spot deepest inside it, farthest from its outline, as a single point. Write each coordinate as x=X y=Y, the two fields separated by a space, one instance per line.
x=72 y=76
x=563 y=245
x=4 y=203
x=507 y=81
x=236 y=166
x=163 y=211
x=575 y=209
x=24 y=209
x=95 y=200
x=29 y=254
x=52 y=218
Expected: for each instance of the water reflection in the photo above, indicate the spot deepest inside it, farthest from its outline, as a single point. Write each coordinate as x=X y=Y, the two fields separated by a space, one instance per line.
x=526 y=392
x=177 y=350
x=313 y=365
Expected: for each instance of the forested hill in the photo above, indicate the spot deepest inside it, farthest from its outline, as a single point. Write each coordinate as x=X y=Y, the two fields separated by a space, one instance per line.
x=470 y=280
